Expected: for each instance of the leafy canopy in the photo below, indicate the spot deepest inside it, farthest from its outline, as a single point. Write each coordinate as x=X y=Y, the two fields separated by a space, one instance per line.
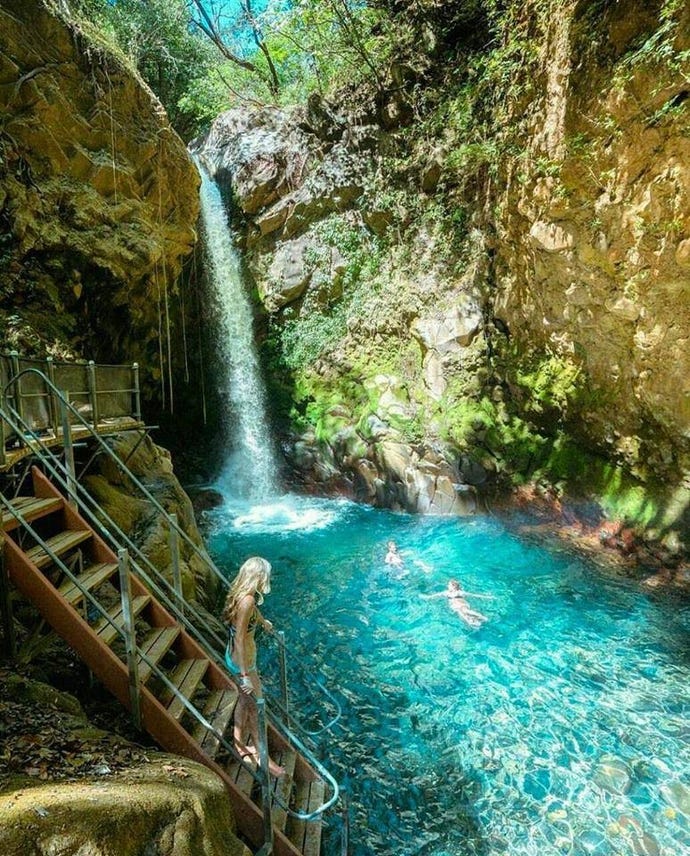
x=202 y=56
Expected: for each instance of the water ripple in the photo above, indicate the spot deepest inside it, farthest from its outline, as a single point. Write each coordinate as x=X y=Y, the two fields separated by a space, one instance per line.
x=559 y=727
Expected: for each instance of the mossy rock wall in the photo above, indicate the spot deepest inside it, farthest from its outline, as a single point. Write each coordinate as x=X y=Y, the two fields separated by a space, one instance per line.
x=500 y=284
x=98 y=197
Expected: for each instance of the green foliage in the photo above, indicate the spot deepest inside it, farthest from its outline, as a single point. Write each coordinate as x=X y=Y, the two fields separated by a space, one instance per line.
x=320 y=325
x=179 y=64
x=477 y=423
x=303 y=340
x=659 y=51
x=551 y=383
x=325 y=44
x=320 y=402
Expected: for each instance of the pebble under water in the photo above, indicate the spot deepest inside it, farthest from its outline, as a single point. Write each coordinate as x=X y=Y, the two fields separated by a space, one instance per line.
x=559 y=727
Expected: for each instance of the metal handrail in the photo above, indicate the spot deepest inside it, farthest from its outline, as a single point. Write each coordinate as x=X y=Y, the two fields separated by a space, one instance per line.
x=168 y=594
x=201 y=554
x=106 y=448
x=55 y=468
x=87 y=380
x=45 y=454
x=58 y=561
x=285 y=651
x=191 y=708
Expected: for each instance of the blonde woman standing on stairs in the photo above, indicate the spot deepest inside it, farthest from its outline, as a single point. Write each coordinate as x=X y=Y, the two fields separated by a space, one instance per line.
x=241 y=615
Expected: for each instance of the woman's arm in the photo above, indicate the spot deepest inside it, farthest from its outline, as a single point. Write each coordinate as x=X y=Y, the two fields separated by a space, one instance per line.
x=264 y=622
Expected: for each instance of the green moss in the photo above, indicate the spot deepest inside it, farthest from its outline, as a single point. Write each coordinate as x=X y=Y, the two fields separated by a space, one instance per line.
x=549 y=381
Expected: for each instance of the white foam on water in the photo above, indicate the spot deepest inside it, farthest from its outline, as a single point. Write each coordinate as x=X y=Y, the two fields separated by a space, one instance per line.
x=288 y=513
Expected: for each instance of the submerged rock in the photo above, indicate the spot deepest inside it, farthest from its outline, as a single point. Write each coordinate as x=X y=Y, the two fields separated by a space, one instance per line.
x=613 y=775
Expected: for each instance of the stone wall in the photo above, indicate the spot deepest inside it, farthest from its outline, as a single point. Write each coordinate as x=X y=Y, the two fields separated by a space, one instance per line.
x=593 y=235
x=98 y=197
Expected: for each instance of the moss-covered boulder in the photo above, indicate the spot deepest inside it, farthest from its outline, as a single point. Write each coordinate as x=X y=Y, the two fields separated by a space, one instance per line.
x=167 y=805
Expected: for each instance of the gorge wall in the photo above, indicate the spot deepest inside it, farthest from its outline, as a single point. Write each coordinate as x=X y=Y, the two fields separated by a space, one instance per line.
x=485 y=283
x=98 y=198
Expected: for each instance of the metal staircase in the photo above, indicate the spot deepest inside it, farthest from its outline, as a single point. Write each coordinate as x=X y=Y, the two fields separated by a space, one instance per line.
x=153 y=650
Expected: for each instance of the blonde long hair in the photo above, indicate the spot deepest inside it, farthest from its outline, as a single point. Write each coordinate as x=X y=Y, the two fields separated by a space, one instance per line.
x=254 y=578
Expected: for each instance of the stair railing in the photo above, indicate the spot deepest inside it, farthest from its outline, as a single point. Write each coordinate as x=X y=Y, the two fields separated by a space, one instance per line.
x=62 y=401
x=284 y=652
x=73 y=487
x=55 y=467
x=127 y=632
x=261 y=775
x=110 y=530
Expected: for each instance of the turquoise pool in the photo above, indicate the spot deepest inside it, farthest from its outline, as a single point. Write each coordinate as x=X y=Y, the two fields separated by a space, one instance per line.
x=559 y=727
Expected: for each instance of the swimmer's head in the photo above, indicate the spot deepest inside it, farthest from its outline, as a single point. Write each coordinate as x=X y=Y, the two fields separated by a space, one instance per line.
x=392 y=546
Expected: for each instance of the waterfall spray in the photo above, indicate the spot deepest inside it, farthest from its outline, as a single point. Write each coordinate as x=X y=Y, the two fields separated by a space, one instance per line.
x=250 y=469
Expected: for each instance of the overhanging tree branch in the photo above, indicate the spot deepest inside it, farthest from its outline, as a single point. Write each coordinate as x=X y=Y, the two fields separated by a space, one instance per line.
x=274 y=83
x=208 y=27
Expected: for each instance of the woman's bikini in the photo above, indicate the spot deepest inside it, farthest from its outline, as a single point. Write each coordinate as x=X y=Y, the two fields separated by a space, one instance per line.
x=229 y=662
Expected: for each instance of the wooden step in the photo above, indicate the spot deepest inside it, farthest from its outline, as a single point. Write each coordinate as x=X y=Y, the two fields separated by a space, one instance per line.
x=58 y=545
x=105 y=629
x=90 y=579
x=282 y=787
x=155 y=646
x=31 y=508
x=241 y=774
x=218 y=711
x=306 y=834
x=187 y=676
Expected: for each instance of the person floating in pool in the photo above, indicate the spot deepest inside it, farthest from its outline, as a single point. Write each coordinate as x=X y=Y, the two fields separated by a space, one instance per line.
x=457 y=600
x=241 y=615
x=395 y=561
x=393 y=556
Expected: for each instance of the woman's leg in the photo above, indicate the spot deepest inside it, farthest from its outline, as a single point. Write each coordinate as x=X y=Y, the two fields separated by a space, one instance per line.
x=252 y=722
x=241 y=723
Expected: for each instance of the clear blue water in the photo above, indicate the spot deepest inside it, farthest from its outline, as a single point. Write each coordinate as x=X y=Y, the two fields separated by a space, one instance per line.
x=559 y=727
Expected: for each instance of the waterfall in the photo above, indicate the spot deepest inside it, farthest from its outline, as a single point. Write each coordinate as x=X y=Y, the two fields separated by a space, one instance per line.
x=250 y=469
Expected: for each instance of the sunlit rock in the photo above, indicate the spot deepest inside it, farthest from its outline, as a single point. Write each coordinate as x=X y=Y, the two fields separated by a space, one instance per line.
x=450 y=330
x=99 y=195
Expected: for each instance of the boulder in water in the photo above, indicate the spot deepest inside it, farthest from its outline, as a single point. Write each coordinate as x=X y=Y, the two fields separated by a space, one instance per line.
x=613 y=775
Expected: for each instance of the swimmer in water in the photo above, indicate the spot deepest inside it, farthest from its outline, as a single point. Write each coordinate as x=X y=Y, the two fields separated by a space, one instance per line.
x=457 y=600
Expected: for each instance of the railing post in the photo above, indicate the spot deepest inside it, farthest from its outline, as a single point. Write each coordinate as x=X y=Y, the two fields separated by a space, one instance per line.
x=137 y=392
x=69 y=450
x=283 y=677
x=18 y=404
x=9 y=643
x=93 y=391
x=130 y=635
x=345 y=834
x=54 y=409
x=264 y=777
x=3 y=432
x=174 y=540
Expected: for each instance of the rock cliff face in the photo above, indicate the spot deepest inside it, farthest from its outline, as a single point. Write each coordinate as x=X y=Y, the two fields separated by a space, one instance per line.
x=133 y=513
x=298 y=179
x=446 y=314
x=98 y=198
x=592 y=237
